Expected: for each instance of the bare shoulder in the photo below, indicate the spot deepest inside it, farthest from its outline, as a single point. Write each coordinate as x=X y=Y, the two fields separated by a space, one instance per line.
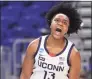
x=75 y=52
x=32 y=47
x=75 y=61
x=75 y=55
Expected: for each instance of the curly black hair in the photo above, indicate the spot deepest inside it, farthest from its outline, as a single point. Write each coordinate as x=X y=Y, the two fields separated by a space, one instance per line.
x=67 y=9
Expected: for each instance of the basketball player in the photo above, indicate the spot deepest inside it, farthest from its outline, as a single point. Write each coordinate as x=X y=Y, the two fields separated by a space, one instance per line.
x=53 y=56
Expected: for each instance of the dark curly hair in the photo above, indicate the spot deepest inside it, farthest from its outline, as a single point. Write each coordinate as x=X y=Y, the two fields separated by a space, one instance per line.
x=67 y=9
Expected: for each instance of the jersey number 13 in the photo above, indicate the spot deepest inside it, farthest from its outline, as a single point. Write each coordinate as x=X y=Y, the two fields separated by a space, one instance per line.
x=49 y=75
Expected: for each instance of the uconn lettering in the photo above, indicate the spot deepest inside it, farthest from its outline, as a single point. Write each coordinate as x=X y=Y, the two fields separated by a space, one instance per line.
x=50 y=66
x=43 y=64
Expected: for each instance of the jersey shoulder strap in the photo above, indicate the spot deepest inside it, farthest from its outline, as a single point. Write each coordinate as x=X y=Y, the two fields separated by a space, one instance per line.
x=43 y=38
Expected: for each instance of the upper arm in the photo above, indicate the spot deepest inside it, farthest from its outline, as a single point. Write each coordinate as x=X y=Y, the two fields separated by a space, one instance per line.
x=28 y=62
x=75 y=61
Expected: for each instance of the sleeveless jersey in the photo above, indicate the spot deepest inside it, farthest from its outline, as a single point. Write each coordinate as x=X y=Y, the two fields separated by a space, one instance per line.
x=48 y=67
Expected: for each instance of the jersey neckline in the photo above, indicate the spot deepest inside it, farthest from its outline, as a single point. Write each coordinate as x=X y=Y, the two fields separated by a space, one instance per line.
x=59 y=52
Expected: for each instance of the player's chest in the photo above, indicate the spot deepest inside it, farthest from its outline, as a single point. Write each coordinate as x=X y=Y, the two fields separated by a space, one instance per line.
x=45 y=58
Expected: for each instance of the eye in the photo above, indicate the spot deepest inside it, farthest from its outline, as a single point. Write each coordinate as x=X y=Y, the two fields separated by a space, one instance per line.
x=65 y=23
x=56 y=20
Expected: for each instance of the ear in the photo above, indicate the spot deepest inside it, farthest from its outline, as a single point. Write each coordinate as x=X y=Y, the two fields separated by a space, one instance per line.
x=50 y=26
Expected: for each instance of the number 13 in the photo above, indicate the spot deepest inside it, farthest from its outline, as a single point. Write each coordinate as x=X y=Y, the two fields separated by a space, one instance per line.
x=52 y=75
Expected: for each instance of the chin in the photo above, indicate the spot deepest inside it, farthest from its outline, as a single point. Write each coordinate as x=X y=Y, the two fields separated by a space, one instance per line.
x=57 y=37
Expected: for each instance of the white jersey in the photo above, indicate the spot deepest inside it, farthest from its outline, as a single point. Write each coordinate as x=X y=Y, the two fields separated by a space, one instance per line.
x=48 y=67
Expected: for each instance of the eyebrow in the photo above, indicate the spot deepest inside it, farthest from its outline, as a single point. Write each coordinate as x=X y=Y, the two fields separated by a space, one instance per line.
x=60 y=19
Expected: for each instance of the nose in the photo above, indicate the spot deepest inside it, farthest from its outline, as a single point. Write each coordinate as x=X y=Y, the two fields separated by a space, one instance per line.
x=60 y=23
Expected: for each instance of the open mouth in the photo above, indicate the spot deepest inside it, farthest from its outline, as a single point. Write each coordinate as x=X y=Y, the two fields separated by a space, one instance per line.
x=58 y=30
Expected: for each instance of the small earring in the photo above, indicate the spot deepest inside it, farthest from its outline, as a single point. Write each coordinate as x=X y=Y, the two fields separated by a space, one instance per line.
x=65 y=33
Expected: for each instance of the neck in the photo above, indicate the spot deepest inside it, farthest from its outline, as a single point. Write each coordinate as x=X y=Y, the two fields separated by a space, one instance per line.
x=55 y=42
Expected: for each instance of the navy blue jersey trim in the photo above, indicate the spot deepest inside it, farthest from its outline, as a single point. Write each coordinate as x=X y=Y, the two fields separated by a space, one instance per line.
x=58 y=53
x=38 y=47
x=68 y=73
x=45 y=44
x=69 y=55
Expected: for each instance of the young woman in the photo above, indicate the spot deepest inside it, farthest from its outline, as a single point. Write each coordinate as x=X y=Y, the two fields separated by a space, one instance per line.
x=53 y=56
